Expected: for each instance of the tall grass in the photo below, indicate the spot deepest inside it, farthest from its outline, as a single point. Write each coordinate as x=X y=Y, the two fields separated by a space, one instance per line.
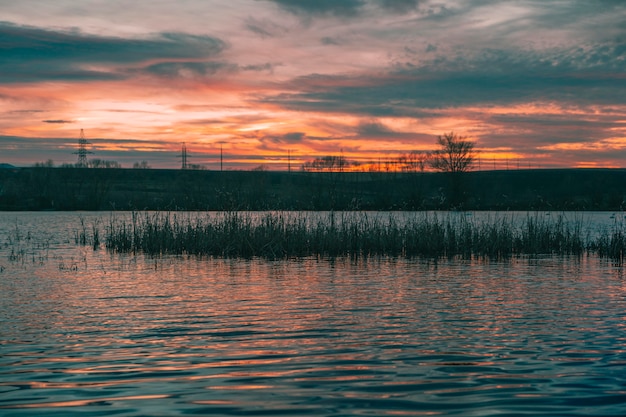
x=284 y=235
x=611 y=244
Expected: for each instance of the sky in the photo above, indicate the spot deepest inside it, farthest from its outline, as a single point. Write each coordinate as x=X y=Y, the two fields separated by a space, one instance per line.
x=534 y=83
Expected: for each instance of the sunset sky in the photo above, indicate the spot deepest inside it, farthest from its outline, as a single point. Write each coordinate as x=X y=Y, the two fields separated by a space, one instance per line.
x=538 y=83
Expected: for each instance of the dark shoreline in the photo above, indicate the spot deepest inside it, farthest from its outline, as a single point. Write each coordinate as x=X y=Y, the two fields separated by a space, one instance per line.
x=68 y=189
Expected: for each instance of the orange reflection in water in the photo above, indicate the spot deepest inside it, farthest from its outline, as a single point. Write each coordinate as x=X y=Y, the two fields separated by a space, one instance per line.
x=228 y=332
x=81 y=403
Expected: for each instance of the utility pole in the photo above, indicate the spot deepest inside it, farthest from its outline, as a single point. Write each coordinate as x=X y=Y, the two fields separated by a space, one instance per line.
x=288 y=160
x=183 y=155
x=221 y=157
x=341 y=160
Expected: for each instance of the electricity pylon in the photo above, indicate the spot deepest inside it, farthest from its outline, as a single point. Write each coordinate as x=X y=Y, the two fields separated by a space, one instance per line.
x=82 y=150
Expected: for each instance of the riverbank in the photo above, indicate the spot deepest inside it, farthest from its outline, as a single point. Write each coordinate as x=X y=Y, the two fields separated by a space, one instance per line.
x=37 y=189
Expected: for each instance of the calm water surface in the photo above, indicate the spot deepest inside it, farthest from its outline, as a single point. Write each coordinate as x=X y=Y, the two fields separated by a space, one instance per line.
x=90 y=333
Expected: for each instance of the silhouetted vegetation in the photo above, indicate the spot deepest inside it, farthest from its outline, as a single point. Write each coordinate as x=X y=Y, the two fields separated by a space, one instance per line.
x=47 y=188
x=46 y=164
x=141 y=165
x=101 y=163
x=355 y=234
x=414 y=161
x=328 y=164
x=455 y=154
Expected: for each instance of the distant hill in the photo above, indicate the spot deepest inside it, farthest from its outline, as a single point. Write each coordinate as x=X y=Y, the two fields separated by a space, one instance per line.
x=3 y=165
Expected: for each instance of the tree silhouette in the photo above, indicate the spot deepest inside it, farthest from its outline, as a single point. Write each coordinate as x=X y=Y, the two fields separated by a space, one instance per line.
x=414 y=161
x=101 y=163
x=327 y=163
x=141 y=165
x=456 y=153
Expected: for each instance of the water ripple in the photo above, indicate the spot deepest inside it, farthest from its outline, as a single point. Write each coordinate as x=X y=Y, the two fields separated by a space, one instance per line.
x=130 y=336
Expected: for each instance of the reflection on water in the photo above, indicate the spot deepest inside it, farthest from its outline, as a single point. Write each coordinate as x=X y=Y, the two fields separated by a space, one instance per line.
x=89 y=333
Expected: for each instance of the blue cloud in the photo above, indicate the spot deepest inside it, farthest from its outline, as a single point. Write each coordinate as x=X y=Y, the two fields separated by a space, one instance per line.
x=583 y=75
x=344 y=8
x=30 y=54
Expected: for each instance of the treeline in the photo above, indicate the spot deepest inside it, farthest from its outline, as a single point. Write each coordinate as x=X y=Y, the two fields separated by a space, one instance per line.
x=42 y=188
x=454 y=154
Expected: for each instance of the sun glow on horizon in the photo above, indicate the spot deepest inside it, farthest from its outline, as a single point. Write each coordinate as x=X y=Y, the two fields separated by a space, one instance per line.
x=368 y=80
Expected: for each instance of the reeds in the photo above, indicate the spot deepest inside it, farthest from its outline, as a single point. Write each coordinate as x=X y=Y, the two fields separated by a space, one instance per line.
x=285 y=235
x=81 y=237
x=611 y=244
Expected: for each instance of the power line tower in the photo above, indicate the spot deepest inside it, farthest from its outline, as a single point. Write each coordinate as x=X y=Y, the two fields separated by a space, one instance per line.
x=82 y=151
x=183 y=155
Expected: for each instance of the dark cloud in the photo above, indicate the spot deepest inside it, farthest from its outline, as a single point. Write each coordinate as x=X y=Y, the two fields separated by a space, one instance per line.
x=374 y=129
x=294 y=137
x=265 y=28
x=59 y=121
x=287 y=138
x=260 y=67
x=28 y=111
x=343 y=8
x=31 y=54
x=399 y=6
x=582 y=75
x=546 y=129
x=200 y=69
x=189 y=69
x=327 y=40
x=581 y=14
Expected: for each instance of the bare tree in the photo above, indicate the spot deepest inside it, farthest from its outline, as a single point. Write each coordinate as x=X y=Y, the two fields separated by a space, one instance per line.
x=456 y=153
x=101 y=163
x=47 y=164
x=327 y=163
x=141 y=165
x=414 y=161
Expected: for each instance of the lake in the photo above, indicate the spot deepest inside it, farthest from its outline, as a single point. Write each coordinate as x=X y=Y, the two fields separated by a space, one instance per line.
x=94 y=333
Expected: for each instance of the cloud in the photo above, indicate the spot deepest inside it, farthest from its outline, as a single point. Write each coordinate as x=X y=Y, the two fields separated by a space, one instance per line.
x=188 y=69
x=344 y=8
x=194 y=70
x=341 y=8
x=294 y=137
x=259 y=67
x=582 y=74
x=287 y=138
x=327 y=40
x=476 y=65
x=399 y=6
x=374 y=129
x=33 y=54
x=265 y=28
x=546 y=129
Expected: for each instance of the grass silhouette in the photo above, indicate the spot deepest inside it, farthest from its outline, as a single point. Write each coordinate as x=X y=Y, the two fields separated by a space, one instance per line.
x=276 y=235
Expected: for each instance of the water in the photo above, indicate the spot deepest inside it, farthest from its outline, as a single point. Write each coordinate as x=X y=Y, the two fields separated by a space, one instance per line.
x=89 y=333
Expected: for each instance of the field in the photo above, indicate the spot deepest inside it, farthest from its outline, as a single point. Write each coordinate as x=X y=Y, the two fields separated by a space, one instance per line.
x=152 y=189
